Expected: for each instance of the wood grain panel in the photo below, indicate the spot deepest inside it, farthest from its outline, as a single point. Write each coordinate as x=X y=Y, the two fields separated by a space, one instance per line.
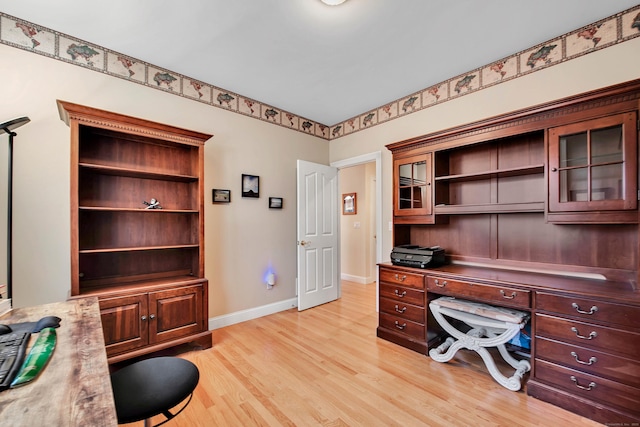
x=99 y=146
x=112 y=191
x=74 y=389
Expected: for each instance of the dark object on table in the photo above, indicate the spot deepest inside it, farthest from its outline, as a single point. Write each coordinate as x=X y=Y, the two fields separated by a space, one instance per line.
x=13 y=347
x=416 y=256
x=46 y=322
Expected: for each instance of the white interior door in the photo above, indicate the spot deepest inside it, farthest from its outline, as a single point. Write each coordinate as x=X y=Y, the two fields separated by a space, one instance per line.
x=318 y=258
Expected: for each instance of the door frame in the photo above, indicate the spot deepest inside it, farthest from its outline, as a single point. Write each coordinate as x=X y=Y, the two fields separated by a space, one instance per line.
x=376 y=157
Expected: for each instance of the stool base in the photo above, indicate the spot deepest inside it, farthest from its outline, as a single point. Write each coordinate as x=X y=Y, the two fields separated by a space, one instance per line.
x=485 y=332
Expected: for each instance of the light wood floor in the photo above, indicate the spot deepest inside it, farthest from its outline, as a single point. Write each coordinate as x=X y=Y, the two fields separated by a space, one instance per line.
x=326 y=367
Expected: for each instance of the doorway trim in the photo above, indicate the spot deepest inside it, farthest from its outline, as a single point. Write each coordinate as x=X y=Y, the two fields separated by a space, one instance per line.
x=376 y=157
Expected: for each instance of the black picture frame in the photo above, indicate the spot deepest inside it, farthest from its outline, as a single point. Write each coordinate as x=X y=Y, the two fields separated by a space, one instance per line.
x=250 y=186
x=275 y=202
x=220 y=196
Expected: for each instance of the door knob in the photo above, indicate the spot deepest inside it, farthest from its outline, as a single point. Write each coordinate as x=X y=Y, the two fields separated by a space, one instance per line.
x=303 y=243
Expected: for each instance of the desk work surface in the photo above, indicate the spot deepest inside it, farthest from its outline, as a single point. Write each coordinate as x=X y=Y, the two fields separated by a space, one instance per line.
x=74 y=388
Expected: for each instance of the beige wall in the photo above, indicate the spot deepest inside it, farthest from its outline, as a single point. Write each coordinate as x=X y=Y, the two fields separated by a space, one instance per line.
x=602 y=68
x=242 y=238
x=356 y=257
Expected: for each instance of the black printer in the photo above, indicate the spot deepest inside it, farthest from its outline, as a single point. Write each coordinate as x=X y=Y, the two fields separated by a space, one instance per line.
x=416 y=256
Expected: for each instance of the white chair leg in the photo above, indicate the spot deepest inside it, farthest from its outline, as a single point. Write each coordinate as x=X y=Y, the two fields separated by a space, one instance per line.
x=445 y=351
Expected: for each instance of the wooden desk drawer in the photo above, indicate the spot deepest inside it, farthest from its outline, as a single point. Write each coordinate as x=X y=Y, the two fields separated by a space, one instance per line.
x=588 y=386
x=615 y=368
x=402 y=309
x=592 y=310
x=402 y=294
x=609 y=340
x=499 y=295
x=402 y=278
x=403 y=326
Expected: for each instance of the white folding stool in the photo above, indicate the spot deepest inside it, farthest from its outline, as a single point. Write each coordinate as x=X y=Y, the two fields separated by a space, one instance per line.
x=490 y=327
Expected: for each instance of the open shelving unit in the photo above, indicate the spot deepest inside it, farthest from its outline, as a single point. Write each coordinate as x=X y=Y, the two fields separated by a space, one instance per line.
x=146 y=265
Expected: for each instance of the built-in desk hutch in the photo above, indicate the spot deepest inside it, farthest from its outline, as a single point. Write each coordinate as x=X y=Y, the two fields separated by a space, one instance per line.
x=537 y=210
x=137 y=229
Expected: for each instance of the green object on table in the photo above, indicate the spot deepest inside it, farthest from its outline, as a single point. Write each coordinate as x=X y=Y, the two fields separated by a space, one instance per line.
x=37 y=358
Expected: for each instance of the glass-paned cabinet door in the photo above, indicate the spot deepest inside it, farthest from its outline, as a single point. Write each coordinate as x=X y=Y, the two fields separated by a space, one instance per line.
x=593 y=165
x=412 y=191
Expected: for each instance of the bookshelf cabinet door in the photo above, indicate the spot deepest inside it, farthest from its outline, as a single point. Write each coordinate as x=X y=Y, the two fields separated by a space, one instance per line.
x=174 y=313
x=124 y=323
x=412 y=190
x=593 y=164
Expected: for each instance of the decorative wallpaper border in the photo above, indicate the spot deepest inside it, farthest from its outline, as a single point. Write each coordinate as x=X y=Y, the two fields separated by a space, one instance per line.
x=607 y=32
x=35 y=38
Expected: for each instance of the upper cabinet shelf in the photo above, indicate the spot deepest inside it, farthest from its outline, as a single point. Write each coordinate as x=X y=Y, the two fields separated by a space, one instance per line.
x=143 y=211
x=499 y=173
x=489 y=208
x=136 y=173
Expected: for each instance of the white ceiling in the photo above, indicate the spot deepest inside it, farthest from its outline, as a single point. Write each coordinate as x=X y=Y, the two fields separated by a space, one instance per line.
x=324 y=63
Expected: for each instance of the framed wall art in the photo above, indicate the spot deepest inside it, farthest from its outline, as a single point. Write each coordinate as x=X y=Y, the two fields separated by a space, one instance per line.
x=275 y=202
x=250 y=186
x=221 y=196
x=349 y=204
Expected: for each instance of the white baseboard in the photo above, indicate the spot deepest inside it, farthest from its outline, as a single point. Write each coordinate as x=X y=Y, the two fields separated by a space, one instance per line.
x=250 y=314
x=357 y=279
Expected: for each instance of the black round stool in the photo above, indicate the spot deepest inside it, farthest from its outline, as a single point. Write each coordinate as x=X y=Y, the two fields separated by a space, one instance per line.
x=151 y=387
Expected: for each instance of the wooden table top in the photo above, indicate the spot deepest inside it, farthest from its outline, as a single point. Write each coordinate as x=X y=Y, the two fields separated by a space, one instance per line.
x=74 y=389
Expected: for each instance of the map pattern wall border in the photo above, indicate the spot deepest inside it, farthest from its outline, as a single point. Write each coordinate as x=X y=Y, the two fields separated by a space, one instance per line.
x=607 y=32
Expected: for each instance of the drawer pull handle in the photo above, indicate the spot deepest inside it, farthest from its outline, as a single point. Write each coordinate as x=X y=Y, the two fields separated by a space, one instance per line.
x=399 y=326
x=591 y=385
x=400 y=311
x=505 y=296
x=591 y=336
x=577 y=307
x=439 y=285
x=401 y=279
x=591 y=361
x=398 y=294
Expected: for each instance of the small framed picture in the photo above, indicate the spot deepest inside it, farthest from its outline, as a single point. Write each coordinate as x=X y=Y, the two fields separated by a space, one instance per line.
x=275 y=202
x=349 y=204
x=250 y=186
x=221 y=196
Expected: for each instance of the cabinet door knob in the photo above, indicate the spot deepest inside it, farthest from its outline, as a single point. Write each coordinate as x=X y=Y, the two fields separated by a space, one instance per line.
x=152 y=316
x=554 y=169
x=143 y=318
